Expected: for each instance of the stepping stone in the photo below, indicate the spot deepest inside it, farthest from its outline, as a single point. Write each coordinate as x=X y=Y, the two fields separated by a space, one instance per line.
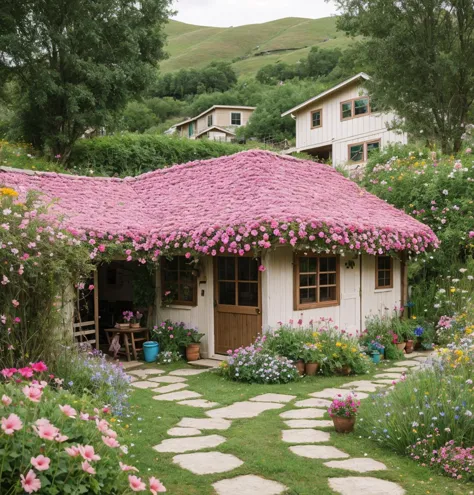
x=421 y=359
x=170 y=388
x=318 y=452
x=186 y=372
x=184 y=394
x=248 y=485
x=142 y=373
x=304 y=436
x=245 y=409
x=132 y=378
x=183 y=432
x=205 y=363
x=396 y=370
x=205 y=404
x=309 y=423
x=313 y=403
x=331 y=393
x=167 y=379
x=355 y=485
x=143 y=384
x=207 y=462
x=188 y=444
x=362 y=385
x=205 y=423
x=273 y=398
x=359 y=464
x=386 y=381
x=408 y=363
x=394 y=376
x=309 y=413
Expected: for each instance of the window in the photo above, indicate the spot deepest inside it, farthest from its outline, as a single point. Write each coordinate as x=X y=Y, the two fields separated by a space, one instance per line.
x=361 y=106
x=383 y=272
x=238 y=281
x=346 y=110
x=178 y=284
x=356 y=107
x=209 y=120
x=236 y=118
x=356 y=152
x=316 y=281
x=316 y=118
x=191 y=129
x=373 y=146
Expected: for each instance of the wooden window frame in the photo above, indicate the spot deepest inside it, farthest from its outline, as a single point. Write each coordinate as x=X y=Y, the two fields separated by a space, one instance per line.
x=377 y=270
x=352 y=102
x=320 y=110
x=177 y=302
x=365 y=150
x=372 y=141
x=239 y=113
x=296 y=283
x=209 y=117
x=191 y=129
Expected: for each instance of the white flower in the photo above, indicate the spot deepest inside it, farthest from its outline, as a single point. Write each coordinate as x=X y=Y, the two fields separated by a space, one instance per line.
x=445 y=192
x=463 y=270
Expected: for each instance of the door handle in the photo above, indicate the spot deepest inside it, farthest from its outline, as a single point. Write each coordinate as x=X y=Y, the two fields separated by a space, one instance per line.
x=257 y=310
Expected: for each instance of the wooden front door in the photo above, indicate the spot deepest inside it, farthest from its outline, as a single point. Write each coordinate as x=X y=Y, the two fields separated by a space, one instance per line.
x=237 y=303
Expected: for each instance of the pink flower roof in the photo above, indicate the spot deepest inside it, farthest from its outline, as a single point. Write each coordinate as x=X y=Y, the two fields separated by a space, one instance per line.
x=248 y=189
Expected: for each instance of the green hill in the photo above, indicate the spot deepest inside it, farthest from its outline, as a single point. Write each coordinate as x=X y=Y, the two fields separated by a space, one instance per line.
x=249 y=47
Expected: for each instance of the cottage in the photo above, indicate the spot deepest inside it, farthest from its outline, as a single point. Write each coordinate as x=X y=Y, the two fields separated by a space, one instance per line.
x=342 y=125
x=243 y=242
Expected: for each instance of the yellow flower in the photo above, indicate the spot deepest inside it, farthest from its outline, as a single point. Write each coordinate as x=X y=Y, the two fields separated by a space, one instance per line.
x=353 y=349
x=413 y=317
x=338 y=344
x=8 y=191
x=452 y=290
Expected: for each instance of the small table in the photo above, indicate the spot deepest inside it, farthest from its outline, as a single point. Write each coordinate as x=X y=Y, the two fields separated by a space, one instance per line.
x=128 y=336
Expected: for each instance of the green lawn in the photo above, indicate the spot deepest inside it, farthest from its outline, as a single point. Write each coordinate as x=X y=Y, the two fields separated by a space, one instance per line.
x=257 y=442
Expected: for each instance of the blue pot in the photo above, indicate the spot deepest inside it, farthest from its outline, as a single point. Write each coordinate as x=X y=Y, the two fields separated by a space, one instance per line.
x=150 y=351
x=376 y=357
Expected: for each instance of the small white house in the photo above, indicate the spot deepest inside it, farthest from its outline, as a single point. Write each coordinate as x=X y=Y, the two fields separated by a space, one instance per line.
x=341 y=124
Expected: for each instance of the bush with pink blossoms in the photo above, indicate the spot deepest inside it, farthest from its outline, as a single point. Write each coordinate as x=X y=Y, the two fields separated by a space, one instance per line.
x=344 y=407
x=52 y=442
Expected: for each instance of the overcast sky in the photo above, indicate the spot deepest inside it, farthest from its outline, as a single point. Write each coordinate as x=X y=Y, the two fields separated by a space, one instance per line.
x=225 y=13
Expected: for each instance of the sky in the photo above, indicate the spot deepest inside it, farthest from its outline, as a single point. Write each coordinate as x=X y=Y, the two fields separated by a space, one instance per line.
x=225 y=13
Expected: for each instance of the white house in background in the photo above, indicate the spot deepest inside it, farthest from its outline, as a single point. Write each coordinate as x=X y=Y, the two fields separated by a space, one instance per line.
x=340 y=124
x=217 y=123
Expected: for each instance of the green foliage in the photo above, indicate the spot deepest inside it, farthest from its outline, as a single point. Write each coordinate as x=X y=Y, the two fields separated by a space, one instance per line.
x=77 y=62
x=421 y=57
x=288 y=342
x=172 y=336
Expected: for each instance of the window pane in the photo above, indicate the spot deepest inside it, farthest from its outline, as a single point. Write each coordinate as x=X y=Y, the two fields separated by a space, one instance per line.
x=247 y=269
x=383 y=262
x=327 y=279
x=248 y=294
x=356 y=153
x=307 y=296
x=361 y=106
x=226 y=268
x=316 y=118
x=186 y=292
x=307 y=280
x=327 y=264
x=209 y=120
x=347 y=110
x=327 y=294
x=304 y=265
x=235 y=118
x=172 y=264
x=227 y=293
x=170 y=275
x=313 y=264
x=375 y=146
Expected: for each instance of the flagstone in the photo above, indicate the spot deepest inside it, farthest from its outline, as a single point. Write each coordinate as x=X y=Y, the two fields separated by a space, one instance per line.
x=309 y=423
x=362 y=385
x=183 y=394
x=205 y=404
x=244 y=409
x=385 y=381
x=167 y=379
x=207 y=462
x=273 y=398
x=318 y=452
x=205 y=423
x=188 y=444
x=410 y=363
x=358 y=464
x=396 y=370
x=183 y=432
x=170 y=388
x=421 y=359
x=330 y=393
x=355 y=485
x=143 y=384
x=308 y=413
x=305 y=436
x=389 y=375
x=150 y=371
x=313 y=403
x=186 y=372
x=248 y=484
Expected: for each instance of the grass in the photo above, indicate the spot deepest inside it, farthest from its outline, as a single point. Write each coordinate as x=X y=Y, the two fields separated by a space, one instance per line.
x=197 y=46
x=257 y=442
x=20 y=155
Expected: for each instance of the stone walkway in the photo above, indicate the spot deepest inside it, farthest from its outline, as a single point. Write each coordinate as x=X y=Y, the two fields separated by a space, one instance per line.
x=305 y=433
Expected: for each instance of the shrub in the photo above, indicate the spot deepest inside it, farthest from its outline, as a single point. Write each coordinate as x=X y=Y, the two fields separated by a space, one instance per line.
x=54 y=442
x=172 y=336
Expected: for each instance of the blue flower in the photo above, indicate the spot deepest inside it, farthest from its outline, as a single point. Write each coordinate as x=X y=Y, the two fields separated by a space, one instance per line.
x=419 y=331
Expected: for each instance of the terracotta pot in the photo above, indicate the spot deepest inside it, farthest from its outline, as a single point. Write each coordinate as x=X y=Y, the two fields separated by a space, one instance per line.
x=344 y=425
x=409 y=347
x=123 y=326
x=345 y=370
x=311 y=368
x=134 y=325
x=299 y=365
x=401 y=345
x=192 y=352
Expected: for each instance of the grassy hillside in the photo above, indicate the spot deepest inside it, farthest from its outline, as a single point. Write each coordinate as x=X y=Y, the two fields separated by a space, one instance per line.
x=248 y=46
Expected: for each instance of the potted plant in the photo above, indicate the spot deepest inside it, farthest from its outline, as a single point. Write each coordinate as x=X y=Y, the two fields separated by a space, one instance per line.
x=193 y=346
x=127 y=317
x=376 y=349
x=398 y=341
x=135 y=320
x=312 y=357
x=343 y=411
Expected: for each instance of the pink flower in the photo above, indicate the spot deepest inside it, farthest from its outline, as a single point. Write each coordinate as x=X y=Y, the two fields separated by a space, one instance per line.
x=73 y=451
x=91 y=287
x=261 y=268
x=102 y=425
x=6 y=401
x=41 y=463
x=84 y=416
x=87 y=468
x=15 y=303
x=30 y=483
x=110 y=442
x=39 y=367
x=46 y=430
x=61 y=438
x=124 y=467
x=88 y=454
x=69 y=411
x=136 y=484
x=26 y=372
x=11 y=424
x=156 y=486
x=33 y=393
x=9 y=372
x=111 y=433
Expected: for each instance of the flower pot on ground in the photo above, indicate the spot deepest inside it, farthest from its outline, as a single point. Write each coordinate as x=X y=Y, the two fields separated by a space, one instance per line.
x=375 y=357
x=311 y=368
x=343 y=412
x=401 y=345
x=311 y=355
x=409 y=346
x=193 y=351
x=300 y=366
x=344 y=425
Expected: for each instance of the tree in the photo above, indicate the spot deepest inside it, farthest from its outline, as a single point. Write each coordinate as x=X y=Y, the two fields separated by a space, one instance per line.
x=77 y=62
x=321 y=62
x=421 y=56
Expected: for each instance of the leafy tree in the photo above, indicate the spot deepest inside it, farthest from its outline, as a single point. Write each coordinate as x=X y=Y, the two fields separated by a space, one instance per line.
x=320 y=62
x=77 y=62
x=421 y=56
